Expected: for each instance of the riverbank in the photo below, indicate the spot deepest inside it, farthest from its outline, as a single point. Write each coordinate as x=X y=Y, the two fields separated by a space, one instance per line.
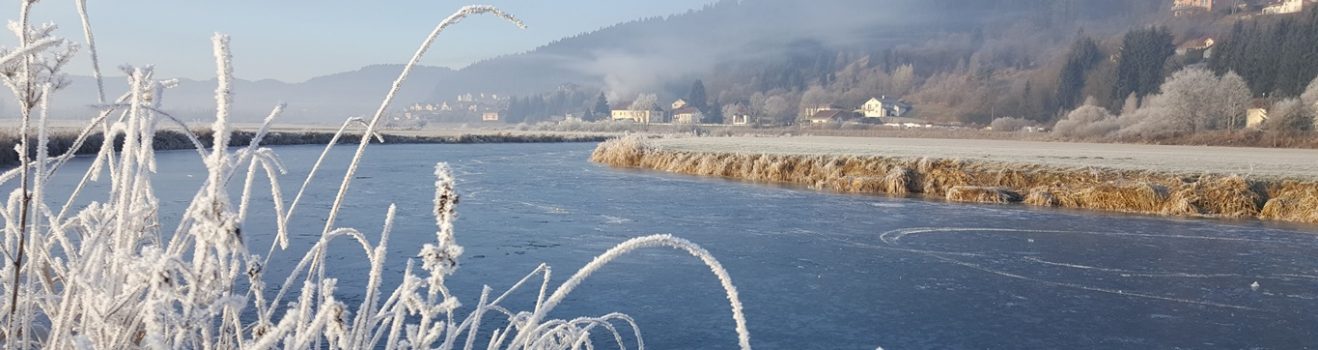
x=61 y=141
x=1221 y=182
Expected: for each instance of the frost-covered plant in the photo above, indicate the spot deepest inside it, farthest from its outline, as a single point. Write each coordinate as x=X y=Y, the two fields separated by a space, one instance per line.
x=1310 y=95
x=1086 y=122
x=1009 y=124
x=1290 y=116
x=109 y=275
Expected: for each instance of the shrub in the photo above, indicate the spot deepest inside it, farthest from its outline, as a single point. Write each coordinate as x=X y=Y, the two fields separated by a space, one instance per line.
x=1087 y=122
x=1009 y=124
x=1290 y=116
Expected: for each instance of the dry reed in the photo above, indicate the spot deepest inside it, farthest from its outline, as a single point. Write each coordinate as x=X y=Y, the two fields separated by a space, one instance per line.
x=1042 y=196
x=1131 y=191
x=979 y=194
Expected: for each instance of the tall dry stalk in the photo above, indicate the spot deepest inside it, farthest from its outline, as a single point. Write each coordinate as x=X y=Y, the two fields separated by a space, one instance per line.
x=109 y=275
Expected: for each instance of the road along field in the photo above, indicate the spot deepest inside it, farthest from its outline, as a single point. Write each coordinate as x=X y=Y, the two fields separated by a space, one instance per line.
x=1270 y=184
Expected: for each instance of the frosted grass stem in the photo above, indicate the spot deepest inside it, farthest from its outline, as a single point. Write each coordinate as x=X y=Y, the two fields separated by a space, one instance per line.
x=91 y=47
x=743 y=334
x=398 y=83
x=25 y=81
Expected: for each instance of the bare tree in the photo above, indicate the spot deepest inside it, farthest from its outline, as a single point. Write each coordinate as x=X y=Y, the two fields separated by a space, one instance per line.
x=645 y=102
x=778 y=108
x=1290 y=116
x=816 y=96
x=903 y=79
x=1188 y=98
x=1234 y=99
x=1310 y=96
x=1198 y=100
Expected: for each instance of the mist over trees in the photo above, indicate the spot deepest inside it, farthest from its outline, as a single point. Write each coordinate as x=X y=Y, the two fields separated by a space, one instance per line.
x=956 y=61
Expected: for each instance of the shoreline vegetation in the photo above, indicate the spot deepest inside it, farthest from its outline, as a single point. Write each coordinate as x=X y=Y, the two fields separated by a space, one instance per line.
x=1141 y=191
x=1223 y=138
x=61 y=142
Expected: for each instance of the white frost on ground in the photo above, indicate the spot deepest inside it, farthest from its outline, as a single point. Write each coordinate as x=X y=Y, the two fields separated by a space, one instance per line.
x=1253 y=162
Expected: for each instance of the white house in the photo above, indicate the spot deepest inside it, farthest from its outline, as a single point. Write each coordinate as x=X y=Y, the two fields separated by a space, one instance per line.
x=687 y=115
x=1284 y=7
x=642 y=116
x=490 y=117
x=1255 y=117
x=1202 y=44
x=679 y=104
x=882 y=107
x=739 y=119
x=1183 y=6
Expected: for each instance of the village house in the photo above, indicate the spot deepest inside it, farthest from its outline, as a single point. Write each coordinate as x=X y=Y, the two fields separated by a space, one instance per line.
x=1202 y=45
x=1255 y=117
x=882 y=107
x=653 y=115
x=1282 y=7
x=832 y=116
x=679 y=104
x=1184 y=7
x=687 y=114
x=811 y=111
x=739 y=119
x=490 y=117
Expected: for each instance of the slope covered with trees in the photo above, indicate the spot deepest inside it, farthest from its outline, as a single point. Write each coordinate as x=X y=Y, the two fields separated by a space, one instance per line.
x=955 y=60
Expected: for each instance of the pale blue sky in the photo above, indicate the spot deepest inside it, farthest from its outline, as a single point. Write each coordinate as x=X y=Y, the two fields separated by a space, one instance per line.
x=297 y=40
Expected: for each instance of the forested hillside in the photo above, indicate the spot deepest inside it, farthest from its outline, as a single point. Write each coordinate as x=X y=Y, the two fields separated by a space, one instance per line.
x=966 y=61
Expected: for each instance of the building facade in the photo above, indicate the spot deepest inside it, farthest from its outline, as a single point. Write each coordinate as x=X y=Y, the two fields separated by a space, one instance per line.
x=1284 y=7
x=641 y=116
x=1185 y=5
x=882 y=107
x=687 y=115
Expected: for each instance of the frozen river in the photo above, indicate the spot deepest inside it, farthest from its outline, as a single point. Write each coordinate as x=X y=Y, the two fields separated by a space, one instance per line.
x=815 y=270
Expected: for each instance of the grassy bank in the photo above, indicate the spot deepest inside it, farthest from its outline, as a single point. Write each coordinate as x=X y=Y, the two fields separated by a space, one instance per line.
x=61 y=142
x=1158 y=192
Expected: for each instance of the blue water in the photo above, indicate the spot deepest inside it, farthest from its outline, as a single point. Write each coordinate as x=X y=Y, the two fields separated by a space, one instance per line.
x=815 y=270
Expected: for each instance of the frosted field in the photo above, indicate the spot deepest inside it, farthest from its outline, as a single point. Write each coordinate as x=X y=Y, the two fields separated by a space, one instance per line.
x=1253 y=162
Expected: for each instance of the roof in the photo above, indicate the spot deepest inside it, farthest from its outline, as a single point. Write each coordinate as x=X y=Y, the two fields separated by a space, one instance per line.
x=687 y=110
x=832 y=114
x=904 y=120
x=628 y=107
x=1197 y=43
x=890 y=101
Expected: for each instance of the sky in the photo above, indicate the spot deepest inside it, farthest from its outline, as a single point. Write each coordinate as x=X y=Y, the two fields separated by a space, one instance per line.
x=293 y=41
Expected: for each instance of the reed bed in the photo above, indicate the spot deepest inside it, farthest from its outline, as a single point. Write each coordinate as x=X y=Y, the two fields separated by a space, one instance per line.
x=979 y=194
x=1132 y=191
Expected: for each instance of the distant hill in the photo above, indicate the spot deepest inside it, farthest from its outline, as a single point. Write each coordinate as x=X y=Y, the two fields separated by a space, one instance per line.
x=645 y=55
x=327 y=99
